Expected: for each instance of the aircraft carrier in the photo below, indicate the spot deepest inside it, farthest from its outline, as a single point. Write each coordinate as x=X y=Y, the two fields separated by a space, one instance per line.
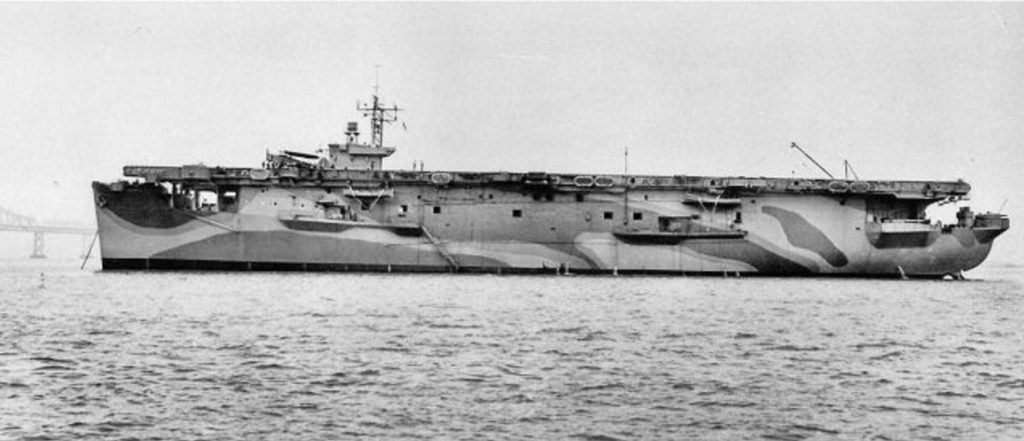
x=342 y=211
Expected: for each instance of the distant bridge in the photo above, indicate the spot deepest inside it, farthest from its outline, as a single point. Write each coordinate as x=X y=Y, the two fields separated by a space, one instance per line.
x=11 y=221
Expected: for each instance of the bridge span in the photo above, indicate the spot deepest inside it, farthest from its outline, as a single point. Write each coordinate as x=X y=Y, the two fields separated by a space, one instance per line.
x=11 y=221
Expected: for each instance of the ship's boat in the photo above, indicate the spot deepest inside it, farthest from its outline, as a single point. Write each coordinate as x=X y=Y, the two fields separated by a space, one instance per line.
x=343 y=211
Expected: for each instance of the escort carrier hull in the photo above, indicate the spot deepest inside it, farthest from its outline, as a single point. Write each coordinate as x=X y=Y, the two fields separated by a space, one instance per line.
x=342 y=212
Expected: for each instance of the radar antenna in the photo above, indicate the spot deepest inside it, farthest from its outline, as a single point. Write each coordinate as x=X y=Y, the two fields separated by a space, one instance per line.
x=379 y=115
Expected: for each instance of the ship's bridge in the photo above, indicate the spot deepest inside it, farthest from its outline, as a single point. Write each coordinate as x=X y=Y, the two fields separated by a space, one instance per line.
x=354 y=156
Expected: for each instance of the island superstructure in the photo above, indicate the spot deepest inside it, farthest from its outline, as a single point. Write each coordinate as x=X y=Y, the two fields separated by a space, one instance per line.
x=343 y=211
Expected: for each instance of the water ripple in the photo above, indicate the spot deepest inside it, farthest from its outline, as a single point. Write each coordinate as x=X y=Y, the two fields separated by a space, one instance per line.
x=308 y=356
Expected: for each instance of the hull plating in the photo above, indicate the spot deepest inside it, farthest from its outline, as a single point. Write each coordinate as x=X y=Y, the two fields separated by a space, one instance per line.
x=512 y=232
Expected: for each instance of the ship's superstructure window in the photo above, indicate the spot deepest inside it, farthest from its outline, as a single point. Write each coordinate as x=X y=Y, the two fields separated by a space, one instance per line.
x=437 y=210
x=609 y=215
x=517 y=213
x=739 y=217
x=638 y=215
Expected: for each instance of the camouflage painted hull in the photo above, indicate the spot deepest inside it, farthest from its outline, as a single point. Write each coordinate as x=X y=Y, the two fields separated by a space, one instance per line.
x=527 y=223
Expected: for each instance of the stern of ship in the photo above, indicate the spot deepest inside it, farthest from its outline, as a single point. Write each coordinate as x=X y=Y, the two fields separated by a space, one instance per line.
x=935 y=251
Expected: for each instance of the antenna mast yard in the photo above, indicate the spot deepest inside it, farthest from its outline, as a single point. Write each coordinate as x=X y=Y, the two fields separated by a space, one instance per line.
x=379 y=115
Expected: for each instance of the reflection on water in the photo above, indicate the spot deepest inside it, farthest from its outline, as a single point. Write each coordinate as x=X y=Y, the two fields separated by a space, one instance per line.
x=329 y=356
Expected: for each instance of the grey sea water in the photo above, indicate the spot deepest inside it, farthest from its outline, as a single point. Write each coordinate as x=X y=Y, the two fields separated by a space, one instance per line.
x=96 y=355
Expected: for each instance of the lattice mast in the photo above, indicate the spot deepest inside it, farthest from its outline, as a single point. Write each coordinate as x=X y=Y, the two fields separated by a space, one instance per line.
x=379 y=115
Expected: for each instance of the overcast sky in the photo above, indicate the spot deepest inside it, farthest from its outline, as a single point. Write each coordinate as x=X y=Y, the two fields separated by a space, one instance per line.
x=903 y=91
